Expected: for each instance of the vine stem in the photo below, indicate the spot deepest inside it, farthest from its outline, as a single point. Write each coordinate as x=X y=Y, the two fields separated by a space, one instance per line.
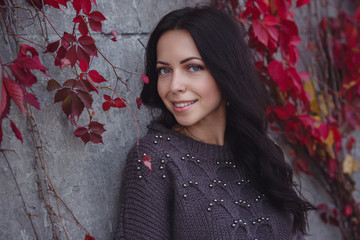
x=20 y=193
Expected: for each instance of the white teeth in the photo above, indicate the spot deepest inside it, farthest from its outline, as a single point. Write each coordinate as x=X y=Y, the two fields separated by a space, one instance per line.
x=183 y=104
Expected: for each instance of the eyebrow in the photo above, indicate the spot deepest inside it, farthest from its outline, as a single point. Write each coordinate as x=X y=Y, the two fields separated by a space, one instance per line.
x=181 y=62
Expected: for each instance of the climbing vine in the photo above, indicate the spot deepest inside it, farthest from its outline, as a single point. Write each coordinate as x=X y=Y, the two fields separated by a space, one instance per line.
x=72 y=51
x=318 y=108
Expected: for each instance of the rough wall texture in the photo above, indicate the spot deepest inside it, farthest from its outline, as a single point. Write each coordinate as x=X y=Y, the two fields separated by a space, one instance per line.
x=88 y=177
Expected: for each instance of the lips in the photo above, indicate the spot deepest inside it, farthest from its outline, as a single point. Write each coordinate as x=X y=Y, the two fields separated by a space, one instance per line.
x=183 y=105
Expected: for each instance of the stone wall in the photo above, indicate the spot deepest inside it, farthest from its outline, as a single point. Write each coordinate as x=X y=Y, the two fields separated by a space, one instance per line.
x=88 y=177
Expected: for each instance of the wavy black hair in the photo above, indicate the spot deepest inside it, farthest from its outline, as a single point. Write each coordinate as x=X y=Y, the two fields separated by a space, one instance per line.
x=220 y=40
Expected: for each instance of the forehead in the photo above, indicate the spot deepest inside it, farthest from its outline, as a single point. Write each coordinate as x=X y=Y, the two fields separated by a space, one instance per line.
x=176 y=44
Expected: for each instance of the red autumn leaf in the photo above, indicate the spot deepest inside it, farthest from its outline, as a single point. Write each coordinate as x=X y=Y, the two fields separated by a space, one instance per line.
x=91 y=85
x=324 y=130
x=118 y=103
x=260 y=33
x=332 y=167
x=86 y=40
x=52 y=3
x=5 y=103
x=90 y=49
x=94 y=2
x=31 y=99
x=52 y=47
x=96 y=127
x=350 y=143
x=97 y=16
x=85 y=6
x=52 y=85
x=86 y=98
x=322 y=207
x=69 y=37
x=82 y=55
x=96 y=77
x=85 y=138
x=60 y=55
x=285 y=113
x=16 y=131
x=95 y=138
x=87 y=236
x=83 y=29
x=35 y=3
x=106 y=106
x=357 y=15
x=78 y=18
x=145 y=78
x=83 y=65
x=80 y=131
x=72 y=105
x=278 y=74
x=61 y=94
x=107 y=97
x=348 y=210
x=23 y=76
x=300 y=3
x=113 y=32
x=71 y=55
x=147 y=162
x=29 y=62
x=95 y=26
x=77 y=5
x=15 y=91
x=138 y=102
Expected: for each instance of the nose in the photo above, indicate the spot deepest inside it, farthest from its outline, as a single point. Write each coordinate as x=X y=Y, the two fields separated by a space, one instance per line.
x=178 y=83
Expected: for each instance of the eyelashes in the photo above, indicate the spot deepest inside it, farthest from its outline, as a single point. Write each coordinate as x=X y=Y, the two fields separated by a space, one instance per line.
x=189 y=68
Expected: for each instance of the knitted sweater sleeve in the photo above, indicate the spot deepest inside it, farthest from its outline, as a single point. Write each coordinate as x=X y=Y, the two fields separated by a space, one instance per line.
x=145 y=198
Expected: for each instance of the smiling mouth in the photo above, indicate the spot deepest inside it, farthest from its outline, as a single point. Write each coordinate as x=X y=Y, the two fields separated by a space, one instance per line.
x=183 y=104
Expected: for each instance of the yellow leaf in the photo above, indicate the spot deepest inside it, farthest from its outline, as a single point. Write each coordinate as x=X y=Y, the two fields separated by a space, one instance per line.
x=314 y=104
x=350 y=165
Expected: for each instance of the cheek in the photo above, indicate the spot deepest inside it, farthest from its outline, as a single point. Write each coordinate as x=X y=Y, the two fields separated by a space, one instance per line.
x=161 y=88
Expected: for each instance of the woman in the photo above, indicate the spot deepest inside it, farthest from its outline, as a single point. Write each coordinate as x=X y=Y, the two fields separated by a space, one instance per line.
x=206 y=169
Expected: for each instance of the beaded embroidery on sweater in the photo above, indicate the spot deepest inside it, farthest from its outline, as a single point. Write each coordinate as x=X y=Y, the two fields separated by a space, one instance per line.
x=194 y=191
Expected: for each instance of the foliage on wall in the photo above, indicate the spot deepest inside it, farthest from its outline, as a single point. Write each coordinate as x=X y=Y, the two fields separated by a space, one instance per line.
x=316 y=109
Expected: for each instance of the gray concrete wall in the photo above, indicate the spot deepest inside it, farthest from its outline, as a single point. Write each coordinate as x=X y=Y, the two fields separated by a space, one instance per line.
x=88 y=177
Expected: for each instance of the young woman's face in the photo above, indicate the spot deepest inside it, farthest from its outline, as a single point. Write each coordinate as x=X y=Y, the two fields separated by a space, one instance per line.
x=185 y=85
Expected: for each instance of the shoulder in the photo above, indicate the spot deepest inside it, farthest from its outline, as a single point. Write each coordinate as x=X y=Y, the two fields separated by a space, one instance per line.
x=154 y=150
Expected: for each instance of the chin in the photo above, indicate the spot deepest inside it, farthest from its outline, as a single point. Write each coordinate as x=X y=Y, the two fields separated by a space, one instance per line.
x=185 y=122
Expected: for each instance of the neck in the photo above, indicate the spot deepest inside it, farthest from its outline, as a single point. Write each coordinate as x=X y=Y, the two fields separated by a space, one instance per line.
x=207 y=133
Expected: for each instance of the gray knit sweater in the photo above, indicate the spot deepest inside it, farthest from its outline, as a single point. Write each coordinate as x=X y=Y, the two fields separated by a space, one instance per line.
x=194 y=191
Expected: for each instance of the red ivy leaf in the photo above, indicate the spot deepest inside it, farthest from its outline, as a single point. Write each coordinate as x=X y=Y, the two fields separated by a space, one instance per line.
x=69 y=37
x=106 y=106
x=97 y=16
x=107 y=97
x=88 y=237
x=95 y=138
x=332 y=167
x=138 y=102
x=72 y=105
x=147 y=162
x=90 y=49
x=96 y=77
x=348 y=210
x=52 y=47
x=61 y=94
x=80 y=131
x=5 y=103
x=15 y=92
x=52 y=85
x=85 y=6
x=31 y=99
x=86 y=40
x=357 y=15
x=23 y=76
x=83 y=29
x=119 y=103
x=97 y=127
x=350 y=144
x=145 y=78
x=300 y=3
x=71 y=55
x=113 y=32
x=77 y=5
x=95 y=26
x=16 y=131
x=82 y=55
x=29 y=62
x=83 y=65
x=86 y=98
x=60 y=55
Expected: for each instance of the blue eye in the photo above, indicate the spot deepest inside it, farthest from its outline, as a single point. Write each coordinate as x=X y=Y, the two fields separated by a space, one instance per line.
x=195 y=68
x=163 y=71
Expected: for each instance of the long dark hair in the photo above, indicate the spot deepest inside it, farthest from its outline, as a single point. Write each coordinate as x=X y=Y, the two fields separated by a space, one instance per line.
x=220 y=41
